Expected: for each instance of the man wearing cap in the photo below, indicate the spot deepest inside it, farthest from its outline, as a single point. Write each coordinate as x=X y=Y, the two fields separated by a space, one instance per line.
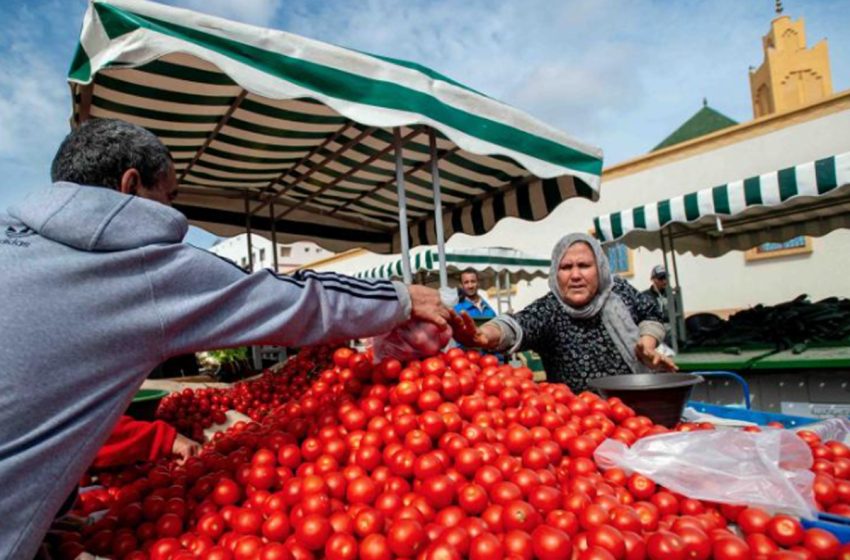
x=658 y=291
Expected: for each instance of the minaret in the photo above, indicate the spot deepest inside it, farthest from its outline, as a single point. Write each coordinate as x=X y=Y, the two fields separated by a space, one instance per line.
x=791 y=75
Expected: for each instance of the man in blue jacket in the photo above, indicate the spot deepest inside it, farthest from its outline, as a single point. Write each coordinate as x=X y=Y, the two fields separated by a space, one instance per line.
x=98 y=288
x=471 y=302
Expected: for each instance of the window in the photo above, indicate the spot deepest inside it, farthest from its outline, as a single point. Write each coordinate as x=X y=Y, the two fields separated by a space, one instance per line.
x=620 y=259
x=284 y=251
x=800 y=245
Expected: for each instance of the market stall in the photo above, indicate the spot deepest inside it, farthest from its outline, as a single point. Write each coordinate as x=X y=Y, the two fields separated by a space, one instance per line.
x=811 y=198
x=498 y=268
x=298 y=139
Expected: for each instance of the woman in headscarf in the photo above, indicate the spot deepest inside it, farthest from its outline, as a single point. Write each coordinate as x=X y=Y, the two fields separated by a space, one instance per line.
x=591 y=324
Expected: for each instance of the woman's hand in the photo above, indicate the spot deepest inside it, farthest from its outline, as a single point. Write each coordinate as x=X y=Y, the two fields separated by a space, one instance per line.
x=184 y=448
x=466 y=333
x=646 y=351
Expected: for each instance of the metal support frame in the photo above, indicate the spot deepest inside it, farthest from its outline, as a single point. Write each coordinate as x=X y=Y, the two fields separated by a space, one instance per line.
x=508 y=294
x=402 y=207
x=219 y=125
x=404 y=140
x=498 y=286
x=677 y=294
x=438 y=208
x=285 y=173
x=274 y=238
x=321 y=165
x=675 y=311
x=248 y=231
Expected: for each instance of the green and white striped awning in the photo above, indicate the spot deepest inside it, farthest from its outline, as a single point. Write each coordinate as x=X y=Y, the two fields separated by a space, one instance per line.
x=812 y=198
x=487 y=261
x=252 y=113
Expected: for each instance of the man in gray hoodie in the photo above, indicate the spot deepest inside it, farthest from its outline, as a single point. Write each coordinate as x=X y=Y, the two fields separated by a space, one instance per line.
x=97 y=288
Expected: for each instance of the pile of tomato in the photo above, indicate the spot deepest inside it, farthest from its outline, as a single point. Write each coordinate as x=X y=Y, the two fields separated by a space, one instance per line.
x=191 y=411
x=452 y=457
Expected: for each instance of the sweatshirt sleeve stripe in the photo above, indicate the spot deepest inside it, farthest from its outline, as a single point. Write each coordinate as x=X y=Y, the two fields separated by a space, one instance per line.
x=329 y=285
x=379 y=286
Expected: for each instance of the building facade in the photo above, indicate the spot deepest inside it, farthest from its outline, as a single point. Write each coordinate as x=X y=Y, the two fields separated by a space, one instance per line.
x=290 y=255
x=707 y=151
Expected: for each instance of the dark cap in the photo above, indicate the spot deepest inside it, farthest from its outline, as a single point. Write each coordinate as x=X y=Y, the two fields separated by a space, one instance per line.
x=658 y=271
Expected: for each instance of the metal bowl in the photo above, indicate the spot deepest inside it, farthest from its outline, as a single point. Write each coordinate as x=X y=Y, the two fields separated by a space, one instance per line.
x=659 y=396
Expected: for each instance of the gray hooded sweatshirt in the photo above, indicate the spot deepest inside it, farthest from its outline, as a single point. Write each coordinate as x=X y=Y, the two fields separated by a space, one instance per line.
x=96 y=289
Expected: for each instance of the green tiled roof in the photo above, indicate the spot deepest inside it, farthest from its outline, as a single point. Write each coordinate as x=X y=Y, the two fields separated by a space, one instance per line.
x=705 y=121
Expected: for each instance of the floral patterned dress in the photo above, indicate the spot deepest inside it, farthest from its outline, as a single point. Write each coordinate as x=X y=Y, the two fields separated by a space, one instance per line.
x=574 y=351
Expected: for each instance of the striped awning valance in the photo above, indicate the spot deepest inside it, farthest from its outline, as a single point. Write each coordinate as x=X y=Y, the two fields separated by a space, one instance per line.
x=812 y=198
x=252 y=115
x=486 y=261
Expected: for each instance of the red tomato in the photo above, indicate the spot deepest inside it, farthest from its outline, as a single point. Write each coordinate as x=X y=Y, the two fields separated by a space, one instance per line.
x=730 y=548
x=226 y=492
x=486 y=547
x=519 y=515
x=761 y=545
x=341 y=547
x=640 y=486
x=518 y=544
x=697 y=544
x=609 y=538
x=276 y=527
x=374 y=547
x=549 y=543
x=785 y=530
x=405 y=537
x=753 y=520
x=313 y=531
x=665 y=546
x=822 y=544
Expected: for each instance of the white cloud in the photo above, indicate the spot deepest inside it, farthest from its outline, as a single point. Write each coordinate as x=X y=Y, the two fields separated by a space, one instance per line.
x=36 y=101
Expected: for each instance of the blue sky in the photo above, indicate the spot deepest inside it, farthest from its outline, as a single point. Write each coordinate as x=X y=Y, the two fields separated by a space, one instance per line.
x=620 y=74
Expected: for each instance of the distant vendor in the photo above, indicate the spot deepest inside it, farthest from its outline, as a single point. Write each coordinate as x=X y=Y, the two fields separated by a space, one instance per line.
x=470 y=301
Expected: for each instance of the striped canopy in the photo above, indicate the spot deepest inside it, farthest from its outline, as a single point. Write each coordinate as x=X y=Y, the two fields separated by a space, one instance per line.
x=252 y=115
x=487 y=261
x=812 y=198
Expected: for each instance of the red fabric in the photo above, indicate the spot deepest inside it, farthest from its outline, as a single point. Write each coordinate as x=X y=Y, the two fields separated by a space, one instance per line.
x=133 y=440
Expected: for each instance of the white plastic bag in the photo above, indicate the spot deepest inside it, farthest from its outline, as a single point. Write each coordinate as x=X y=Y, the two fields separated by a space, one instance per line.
x=831 y=429
x=415 y=339
x=768 y=469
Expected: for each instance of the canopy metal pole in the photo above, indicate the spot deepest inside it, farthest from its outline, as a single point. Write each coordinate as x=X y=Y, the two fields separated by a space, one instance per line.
x=671 y=311
x=498 y=280
x=402 y=208
x=509 y=284
x=274 y=237
x=438 y=208
x=680 y=310
x=248 y=232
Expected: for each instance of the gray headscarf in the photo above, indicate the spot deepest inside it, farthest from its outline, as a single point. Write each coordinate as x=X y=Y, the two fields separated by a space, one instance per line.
x=616 y=318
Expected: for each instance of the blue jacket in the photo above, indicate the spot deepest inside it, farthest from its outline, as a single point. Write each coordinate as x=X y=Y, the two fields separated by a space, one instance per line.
x=98 y=288
x=486 y=312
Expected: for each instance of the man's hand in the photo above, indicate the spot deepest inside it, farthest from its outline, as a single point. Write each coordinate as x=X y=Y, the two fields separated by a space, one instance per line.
x=426 y=305
x=646 y=352
x=466 y=333
x=184 y=448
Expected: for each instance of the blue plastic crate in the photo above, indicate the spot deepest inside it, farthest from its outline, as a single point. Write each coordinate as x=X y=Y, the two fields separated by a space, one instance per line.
x=835 y=524
x=760 y=418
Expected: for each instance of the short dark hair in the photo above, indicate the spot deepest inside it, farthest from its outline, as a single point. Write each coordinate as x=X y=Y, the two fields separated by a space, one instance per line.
x=99 y=151
x=469 y=270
